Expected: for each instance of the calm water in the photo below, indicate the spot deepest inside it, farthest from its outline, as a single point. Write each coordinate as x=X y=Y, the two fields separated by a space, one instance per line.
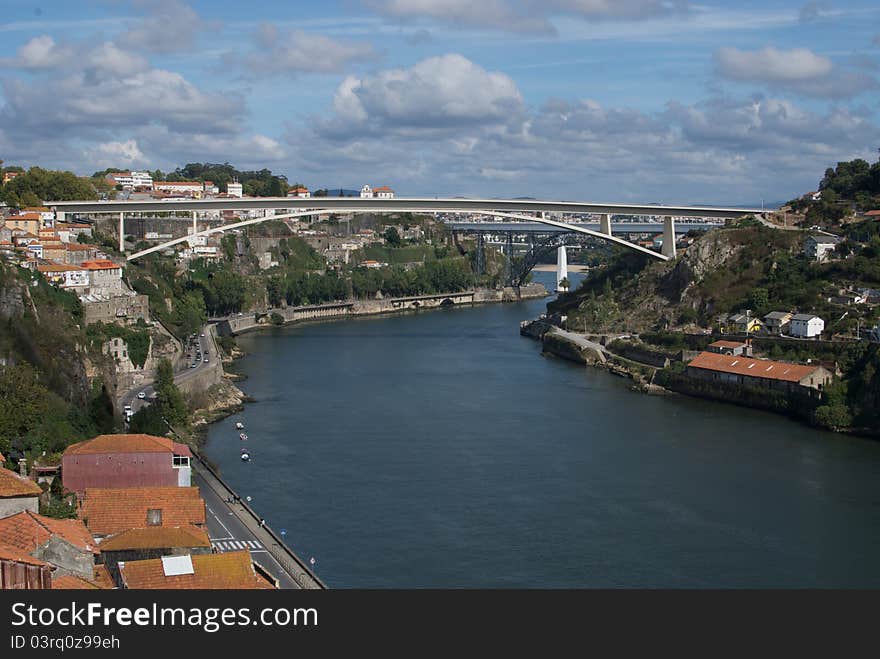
x=441 y=450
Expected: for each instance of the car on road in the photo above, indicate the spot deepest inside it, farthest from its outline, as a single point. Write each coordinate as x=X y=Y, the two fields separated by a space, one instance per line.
x=202 y=335
x=142 y=395
x=205 y=360
x=192 y=365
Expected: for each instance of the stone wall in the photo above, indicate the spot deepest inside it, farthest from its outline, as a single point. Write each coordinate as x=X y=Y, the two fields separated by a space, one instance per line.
x=12 y=505
x=67 y=558
x=122 y=309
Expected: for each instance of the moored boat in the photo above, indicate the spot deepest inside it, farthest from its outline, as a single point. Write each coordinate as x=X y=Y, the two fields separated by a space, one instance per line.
x=245 y=456
x=239 y=426
x=242 y=436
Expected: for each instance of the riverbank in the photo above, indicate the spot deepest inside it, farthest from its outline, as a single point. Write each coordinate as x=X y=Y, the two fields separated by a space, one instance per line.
x=235 y=325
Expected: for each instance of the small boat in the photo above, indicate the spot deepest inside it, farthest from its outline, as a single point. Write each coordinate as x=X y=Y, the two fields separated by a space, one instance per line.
x=239 y=426
x=242 y=436
x=245 y=456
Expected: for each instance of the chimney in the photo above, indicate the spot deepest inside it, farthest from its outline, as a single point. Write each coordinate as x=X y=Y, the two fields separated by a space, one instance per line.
x=22 y=467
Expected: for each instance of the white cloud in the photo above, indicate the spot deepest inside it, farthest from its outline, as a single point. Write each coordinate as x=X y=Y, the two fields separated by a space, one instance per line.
x=170 y=26
x=44 y=54
x=115 y=154
x=524 y=16
x=798 y=69
x=299 y=52
x=771 y=64
x=438 y=93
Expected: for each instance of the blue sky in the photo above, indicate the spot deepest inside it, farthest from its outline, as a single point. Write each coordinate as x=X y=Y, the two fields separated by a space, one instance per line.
x=628 y=100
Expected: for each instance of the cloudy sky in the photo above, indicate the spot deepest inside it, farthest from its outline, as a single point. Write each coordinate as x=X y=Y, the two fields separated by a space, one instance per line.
x=608 y=100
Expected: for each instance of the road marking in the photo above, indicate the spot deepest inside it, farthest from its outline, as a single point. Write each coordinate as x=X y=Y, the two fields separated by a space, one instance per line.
x=228 y=532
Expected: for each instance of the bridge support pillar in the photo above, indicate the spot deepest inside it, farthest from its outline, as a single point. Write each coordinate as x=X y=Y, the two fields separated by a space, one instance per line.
x=481 y=255
x=195 y=225
x=508 y=269
x=60 y=217
x=668 y=246
x=122 y=232
x=605 y=224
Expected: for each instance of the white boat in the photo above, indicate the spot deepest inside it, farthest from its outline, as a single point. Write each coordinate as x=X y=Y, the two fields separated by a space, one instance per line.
x=245 y=456
x=239 y=426
x=242 y=436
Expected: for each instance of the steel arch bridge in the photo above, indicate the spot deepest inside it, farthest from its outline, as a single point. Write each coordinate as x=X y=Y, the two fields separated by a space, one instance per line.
x=503 y=208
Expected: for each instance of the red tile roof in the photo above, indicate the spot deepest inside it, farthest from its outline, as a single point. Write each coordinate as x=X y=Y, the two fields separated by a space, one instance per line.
x=70 y=582
x=27 y=531
x=100 y=264
x=727 y=344
x=128 y=444
x=9 y=553
x=756 y=368
x=13 y=485
x=157 y=537
x=109 y=511
x=230 y=570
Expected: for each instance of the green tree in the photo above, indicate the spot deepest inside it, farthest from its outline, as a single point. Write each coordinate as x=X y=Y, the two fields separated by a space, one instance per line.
x=392 y=237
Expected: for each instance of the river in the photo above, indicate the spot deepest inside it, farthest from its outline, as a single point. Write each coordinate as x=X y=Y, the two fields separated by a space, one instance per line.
x=440 y=449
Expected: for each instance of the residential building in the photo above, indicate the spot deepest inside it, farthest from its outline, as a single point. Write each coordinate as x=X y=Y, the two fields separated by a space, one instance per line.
x=730 y=348
x=299 y=191
x=152 y=542
x=131 y=180
x=63 y=543
x=76 y=253
x=209 y=188
x=18 y=571
x=17 y=493
x=744 y=323
x=109 y=461
x=65 y=276
x=69 y=232
x=47 y=215
x=848 y=298
x=383 y=192
x=234 y=189
x=105 y=276
x=107 y=512
x=178 y=187
x=818 y=247
x=8 y=176
x=728 y=369
x=777 y=322
x=30 y=222
x=232 y=570
x=806 y=326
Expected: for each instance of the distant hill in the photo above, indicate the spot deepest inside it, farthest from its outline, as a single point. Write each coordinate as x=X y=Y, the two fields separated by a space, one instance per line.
x=335 y=192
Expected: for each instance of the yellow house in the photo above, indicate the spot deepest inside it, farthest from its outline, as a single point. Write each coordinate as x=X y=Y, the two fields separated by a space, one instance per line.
x=744 y=323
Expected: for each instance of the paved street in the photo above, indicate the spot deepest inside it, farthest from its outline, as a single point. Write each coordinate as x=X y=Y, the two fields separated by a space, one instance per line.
x=232 y=527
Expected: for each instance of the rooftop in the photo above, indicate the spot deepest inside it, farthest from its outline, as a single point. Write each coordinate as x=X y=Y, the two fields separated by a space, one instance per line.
x=13 y=485
x=100 y=264
x=727 y=344
x=128 y=444
x=8 y=553
x=230 y=570
x=756 y=368
x=27 y=531
x=778 y=315
x=804 y=316
x=109 y=511
x=157 y=537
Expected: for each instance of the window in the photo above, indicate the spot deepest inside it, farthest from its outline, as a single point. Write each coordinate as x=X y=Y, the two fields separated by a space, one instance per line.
x=154 y=517
x=180 y=461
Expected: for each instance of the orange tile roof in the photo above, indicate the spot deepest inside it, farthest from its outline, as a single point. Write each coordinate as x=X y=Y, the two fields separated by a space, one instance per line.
x=756 y=368
x=13 y=485
x=727 y=344
x=9 y=553
x=79 y=247
x=102 y=577
x=58 y=267
x=27 y=531
x=384 y=188
x=109 y=511
x=157 y=537
x=127 y=444
x=25 y=216
x=100 y=264
x=230 y=570
x=70 y=582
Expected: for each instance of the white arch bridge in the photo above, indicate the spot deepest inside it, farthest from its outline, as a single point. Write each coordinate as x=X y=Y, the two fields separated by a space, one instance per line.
x=512 y=209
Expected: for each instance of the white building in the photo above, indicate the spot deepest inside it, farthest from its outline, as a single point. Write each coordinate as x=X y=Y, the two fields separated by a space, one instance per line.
x=383 y=192
x=105 y=276
x=177 y=187
x=65 y=276
x=234 y=189
x=131 y=179
x=818 y=247
x=806 y=326
x=366 y=192
x=300 y=191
